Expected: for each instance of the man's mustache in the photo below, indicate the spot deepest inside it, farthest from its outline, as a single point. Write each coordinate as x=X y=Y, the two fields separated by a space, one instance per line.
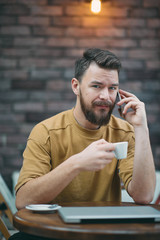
x=103 y=103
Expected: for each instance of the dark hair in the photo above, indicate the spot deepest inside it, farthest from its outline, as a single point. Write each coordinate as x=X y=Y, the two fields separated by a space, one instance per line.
x=103 y=58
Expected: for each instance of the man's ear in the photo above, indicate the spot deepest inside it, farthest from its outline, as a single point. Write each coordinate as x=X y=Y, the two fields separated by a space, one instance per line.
x=75 y=86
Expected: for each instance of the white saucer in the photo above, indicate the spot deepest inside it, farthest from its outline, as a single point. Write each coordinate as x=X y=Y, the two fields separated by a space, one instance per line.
x=43 y=207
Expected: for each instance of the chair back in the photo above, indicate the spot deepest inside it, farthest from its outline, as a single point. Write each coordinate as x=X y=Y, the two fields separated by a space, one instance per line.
x=4 y=229
x=157 y=190
x=7 y=198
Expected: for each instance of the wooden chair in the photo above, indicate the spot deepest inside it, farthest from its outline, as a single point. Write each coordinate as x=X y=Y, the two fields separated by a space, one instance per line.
x=4 y=230
x=158 y=200
x=7 y=197
x=7 y=206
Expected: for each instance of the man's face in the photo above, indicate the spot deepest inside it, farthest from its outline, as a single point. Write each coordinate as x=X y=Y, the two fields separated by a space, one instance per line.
x=98 y=91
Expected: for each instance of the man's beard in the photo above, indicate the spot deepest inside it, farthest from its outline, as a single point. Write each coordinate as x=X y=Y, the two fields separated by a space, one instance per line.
x=100 y=119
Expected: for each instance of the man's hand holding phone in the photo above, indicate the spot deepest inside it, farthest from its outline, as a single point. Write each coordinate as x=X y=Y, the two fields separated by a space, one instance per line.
x=136 y=117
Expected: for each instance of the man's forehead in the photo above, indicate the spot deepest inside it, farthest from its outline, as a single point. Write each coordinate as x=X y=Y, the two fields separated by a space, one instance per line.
x=102 y=75
x=96 y=70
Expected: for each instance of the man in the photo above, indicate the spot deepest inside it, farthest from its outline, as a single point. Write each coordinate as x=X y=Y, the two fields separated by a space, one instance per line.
x=69 y=157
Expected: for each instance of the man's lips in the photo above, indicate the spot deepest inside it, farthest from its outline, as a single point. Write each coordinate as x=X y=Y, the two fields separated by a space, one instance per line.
x=102 y=106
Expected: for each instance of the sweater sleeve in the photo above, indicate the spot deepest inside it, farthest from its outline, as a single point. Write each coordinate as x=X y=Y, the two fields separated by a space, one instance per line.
x=36 y=156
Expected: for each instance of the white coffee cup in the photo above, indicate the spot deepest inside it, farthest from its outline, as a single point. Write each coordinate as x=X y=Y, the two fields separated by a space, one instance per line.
x=121 y=149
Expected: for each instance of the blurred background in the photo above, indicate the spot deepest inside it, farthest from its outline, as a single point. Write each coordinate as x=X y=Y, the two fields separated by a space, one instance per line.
x=39 y=43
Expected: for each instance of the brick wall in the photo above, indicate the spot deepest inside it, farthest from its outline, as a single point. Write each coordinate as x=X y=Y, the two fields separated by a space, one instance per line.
x=39 y=42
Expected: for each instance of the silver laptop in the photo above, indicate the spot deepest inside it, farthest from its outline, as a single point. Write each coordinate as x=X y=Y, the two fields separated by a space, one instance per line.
x=109 y=214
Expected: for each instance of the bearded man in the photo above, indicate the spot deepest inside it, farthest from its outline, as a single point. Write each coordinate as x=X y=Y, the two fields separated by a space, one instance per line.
x=70 y=157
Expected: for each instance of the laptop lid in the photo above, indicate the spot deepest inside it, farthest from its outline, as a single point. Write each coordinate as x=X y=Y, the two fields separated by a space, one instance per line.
x=109 y=214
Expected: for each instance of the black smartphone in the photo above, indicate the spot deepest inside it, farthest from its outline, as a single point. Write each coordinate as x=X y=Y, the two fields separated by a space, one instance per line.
x=121 y=108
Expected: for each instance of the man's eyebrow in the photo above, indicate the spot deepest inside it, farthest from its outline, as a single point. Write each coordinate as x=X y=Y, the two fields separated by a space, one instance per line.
x=100 y=83
x=96 y=82
x=115 y=84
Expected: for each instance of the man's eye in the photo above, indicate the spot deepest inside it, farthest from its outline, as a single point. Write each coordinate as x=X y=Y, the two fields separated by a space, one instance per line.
x=113 y=88
x=96 y=86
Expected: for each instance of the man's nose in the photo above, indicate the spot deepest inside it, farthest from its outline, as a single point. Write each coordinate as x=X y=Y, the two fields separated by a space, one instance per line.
x=104 y=94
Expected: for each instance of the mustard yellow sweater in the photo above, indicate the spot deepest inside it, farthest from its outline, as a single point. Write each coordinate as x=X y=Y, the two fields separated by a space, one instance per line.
x=56 y=139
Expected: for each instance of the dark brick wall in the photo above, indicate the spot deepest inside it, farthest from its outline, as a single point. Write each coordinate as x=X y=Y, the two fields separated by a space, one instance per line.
x=39 y=42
